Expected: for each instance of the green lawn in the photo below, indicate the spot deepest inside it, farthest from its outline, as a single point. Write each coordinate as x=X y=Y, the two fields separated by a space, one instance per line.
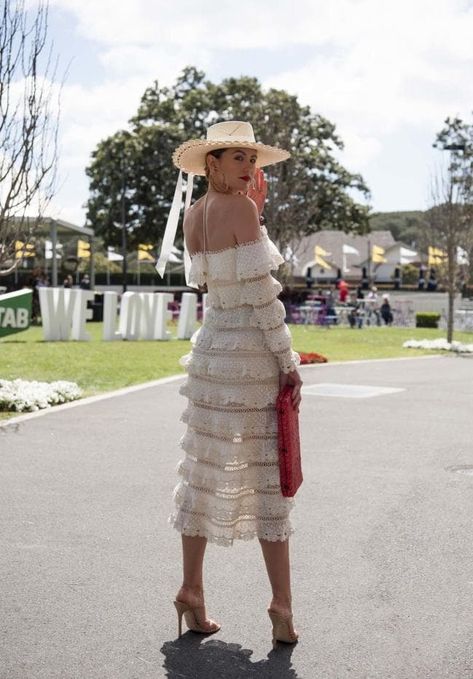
x=99 y=366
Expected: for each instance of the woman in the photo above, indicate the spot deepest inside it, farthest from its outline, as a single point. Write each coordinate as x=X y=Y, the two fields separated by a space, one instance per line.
x=241 y=356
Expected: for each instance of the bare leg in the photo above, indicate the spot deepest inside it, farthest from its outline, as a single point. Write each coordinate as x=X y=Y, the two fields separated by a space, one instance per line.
x=192 y=589
x=276 y=557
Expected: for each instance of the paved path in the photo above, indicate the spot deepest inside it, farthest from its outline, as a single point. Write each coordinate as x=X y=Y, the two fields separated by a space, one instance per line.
x=382 y=554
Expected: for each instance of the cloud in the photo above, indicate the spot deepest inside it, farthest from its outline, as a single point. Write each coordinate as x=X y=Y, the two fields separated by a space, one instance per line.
x=376 y=69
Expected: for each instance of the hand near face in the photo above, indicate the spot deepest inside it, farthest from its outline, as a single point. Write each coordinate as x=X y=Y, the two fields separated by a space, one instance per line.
x=258 y=194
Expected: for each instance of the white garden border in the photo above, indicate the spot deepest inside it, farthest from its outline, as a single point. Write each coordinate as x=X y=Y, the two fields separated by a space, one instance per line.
x=29 y=395
x=439 y=343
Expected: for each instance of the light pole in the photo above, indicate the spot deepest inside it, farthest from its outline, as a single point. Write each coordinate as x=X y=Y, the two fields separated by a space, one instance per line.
x=123 y=220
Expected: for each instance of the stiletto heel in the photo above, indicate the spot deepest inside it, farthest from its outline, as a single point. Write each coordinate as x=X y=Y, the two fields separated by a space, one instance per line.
x=190 y=617
x=283 y=629
x=180 y=608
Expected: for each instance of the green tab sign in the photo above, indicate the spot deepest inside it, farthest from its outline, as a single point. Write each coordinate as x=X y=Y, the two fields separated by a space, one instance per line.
x=15 y=311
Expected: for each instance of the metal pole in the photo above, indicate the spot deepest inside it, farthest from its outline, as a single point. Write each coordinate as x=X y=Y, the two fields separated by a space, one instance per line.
x=54 y=253
x=369 y=261
x=124 y=239
x=92 y=264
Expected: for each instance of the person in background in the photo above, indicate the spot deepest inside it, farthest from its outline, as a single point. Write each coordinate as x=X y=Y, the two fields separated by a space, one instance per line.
x=397 y=278
x=331 y=317
x=386 y=311
x=432 y=282
x=309 y=280
x=355 y=315
x=421 y=281
x=68 y=281
x=85 y=282
x=342 y=291
x=372 y=306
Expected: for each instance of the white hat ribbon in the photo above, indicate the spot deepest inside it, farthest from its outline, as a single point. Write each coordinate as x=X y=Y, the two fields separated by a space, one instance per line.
x=171 y=226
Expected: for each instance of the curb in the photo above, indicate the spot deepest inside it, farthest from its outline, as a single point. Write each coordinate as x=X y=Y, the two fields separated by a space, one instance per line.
x=89 y=399
x=15 y=421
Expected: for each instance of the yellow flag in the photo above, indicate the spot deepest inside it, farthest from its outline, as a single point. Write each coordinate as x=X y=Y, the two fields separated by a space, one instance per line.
x=377 y=255
x=144 y=253
x=83 y=249
x=322 y=263
x=436 y=256
x=320 y=252
x=24 y=250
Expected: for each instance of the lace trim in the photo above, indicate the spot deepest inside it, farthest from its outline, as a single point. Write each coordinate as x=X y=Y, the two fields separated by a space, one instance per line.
x=232 y=522
x=222 y=328
x=258 y=278
x=225 y=541
x=229 y=365
x=283 y=351
x=221 y=451
x=217 y=380
x=265 y=304
x=230 y=247
x=255 y=279
x=231 y=466
x=229 y=408
x=244 y=352
x=233 y=494
x=251 y=394
x=237 y=438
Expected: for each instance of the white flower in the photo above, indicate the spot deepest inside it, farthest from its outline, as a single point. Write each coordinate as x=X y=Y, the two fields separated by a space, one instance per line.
x=439 y=343
x=21 y=395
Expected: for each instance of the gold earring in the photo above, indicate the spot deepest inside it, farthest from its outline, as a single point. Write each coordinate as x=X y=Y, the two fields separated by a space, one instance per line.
x=220 y=186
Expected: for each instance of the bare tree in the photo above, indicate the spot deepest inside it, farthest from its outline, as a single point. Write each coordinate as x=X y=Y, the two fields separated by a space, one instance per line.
x=450 y=229
x=28 y=125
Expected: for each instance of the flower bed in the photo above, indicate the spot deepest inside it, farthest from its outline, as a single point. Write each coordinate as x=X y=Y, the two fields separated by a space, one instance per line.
x=21 y=395
x=440 y=343
x=311 y=357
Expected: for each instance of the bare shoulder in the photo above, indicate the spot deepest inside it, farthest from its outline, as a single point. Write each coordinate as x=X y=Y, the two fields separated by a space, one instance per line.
x=239 y=214
x=244 y=219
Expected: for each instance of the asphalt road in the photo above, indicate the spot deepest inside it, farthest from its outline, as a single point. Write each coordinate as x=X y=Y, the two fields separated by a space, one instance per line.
x=382 y=554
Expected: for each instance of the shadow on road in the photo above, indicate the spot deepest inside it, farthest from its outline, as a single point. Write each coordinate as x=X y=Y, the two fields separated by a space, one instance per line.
x=189 y=658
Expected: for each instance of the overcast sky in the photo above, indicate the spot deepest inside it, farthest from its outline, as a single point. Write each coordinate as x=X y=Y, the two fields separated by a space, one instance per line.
x=386 y=73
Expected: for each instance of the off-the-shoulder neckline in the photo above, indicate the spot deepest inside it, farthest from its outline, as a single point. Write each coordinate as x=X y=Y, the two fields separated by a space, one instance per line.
x=232 y=247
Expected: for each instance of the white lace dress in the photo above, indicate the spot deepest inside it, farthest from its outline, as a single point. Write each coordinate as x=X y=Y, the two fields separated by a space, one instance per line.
x=229 y=477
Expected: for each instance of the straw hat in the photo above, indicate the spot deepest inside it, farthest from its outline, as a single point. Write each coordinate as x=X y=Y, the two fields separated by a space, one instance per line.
x=190 y=156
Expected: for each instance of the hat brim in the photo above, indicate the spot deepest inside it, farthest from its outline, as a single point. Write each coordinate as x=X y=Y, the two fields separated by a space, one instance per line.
x=190 y=156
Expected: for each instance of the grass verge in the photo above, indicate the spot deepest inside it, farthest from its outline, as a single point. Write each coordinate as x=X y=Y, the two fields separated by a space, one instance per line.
x=99 y=366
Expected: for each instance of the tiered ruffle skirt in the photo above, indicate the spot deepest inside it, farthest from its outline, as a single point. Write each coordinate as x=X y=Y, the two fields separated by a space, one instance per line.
x=229 y=476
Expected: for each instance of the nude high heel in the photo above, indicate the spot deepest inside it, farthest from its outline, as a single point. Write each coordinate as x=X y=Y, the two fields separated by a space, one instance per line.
x=190 y=617
x=283 y=629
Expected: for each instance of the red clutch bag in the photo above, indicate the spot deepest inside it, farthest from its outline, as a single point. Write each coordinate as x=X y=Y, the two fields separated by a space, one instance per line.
x=289 y=447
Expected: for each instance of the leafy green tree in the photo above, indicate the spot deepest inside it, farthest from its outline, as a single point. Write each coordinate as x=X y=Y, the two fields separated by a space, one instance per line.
x=132 y=176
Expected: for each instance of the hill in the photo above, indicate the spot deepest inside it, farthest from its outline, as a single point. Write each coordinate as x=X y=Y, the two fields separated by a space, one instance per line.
x=405 y=226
